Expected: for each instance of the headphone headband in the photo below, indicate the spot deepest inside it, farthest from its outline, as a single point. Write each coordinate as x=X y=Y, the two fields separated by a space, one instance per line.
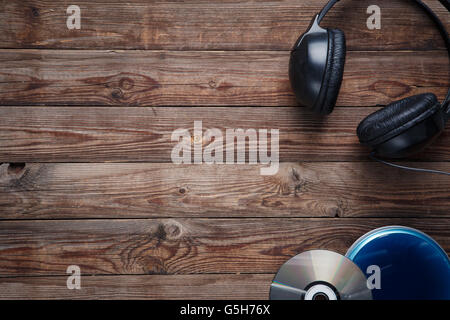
x=430 y=13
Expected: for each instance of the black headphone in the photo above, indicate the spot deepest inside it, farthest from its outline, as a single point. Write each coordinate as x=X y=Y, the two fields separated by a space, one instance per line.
x=398 y=130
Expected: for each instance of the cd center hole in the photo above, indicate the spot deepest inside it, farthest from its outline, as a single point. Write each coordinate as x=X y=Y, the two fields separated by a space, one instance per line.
x=320 y=296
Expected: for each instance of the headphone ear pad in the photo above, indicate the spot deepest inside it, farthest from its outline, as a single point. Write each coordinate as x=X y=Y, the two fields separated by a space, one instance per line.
x=399 y=117
x=334 y=72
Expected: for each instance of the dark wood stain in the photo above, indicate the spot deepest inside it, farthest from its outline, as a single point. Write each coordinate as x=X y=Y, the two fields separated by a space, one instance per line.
x=237 y=25
x=92 y=134
x=192 y=78
x=86 y=118
x=34 y=248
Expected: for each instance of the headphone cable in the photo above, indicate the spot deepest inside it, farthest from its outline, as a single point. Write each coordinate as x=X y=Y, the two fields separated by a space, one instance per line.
x=373 y=157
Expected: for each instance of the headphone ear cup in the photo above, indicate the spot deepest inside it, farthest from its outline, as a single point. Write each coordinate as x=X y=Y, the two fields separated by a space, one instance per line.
x=334 y=72
x=398 y=120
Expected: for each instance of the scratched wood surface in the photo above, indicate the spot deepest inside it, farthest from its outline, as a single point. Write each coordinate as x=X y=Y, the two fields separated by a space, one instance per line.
x=182 y=245
x=210 y=24
x=147 y=190
x=205 y=78
x=143 y=134
x=86 y=118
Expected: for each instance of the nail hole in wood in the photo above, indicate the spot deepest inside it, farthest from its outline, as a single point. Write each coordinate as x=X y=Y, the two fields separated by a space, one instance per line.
x=16 y=167
x=35 y=11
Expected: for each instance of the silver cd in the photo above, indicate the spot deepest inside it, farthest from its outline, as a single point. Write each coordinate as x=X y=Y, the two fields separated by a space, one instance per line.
x=319 y=275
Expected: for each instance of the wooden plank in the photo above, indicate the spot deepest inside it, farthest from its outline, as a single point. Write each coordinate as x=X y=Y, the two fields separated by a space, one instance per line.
x=205 y=25
x=159 y=78
x=49 y=191
x=181 y=246
x=191 y=287
x=137 y=134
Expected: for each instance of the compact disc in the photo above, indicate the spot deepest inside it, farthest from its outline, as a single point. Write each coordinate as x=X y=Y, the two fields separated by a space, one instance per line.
x=319 y=275
x=411 y=264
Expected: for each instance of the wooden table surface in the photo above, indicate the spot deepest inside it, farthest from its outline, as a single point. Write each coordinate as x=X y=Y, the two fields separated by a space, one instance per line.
x=86 y=118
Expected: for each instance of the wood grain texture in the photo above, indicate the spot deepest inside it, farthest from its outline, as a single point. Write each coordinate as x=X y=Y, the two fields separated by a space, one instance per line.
x=145 y=228
x=180 y=287
x=74 y=191
x=211 y=25
x=181 y=246
x=137 y=134
x=167 y=287
x=238 y=78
